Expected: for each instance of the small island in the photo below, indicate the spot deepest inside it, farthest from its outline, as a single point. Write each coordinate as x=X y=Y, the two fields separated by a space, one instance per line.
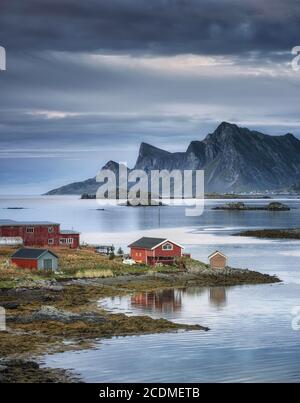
x=240 y=206
x=293 y=233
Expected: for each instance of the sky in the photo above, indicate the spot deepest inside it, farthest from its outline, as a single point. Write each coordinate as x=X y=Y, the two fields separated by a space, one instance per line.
x=88 y=81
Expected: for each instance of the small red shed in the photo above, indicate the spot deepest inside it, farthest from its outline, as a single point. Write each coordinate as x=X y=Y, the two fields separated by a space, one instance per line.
x=217 y=260
x=38 y=259
x=155 y=250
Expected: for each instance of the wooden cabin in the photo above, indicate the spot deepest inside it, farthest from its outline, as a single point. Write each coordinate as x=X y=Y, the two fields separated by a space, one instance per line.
x=217 y=260
x=38 y=259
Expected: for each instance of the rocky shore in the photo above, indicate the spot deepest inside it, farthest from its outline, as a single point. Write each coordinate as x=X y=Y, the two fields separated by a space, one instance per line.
x=24 y=371
x=53 y=316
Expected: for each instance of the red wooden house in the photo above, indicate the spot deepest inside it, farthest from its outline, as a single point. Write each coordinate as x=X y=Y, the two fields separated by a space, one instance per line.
x=39 y=233
x=155 y=250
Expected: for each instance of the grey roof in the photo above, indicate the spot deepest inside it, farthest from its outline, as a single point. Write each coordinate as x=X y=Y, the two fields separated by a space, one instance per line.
x=13 y=223
x=68 y=231
x=147 y=243
x=31 y=253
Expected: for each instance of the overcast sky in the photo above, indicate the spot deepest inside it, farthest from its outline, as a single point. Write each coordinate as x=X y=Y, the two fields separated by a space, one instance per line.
x=87 y=81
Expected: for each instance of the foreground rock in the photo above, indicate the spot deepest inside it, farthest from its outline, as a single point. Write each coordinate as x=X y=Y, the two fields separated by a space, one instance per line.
x=23 y=371
x=240 y=206
x=50 y=313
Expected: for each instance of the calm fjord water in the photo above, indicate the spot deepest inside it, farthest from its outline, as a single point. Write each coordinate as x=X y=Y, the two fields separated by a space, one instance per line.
x=251 y=337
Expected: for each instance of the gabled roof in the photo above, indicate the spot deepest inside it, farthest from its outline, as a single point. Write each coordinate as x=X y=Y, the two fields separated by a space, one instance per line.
x=31 y=253
x=217 y=253
x=147 y=243
x=150 y=243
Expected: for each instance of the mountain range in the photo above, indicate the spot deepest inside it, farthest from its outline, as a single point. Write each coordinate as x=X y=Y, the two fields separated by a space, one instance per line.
x=234 y=159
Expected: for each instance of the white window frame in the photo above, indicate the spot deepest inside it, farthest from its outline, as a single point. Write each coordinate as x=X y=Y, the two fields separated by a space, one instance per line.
x=70 y=241
x=167 y=246
x=29 y=230
x=62 y=241
x=50 y=230
x=50 y=241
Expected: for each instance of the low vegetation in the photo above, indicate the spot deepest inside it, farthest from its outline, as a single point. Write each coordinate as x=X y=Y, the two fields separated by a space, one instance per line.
x=96 y=273
x=82 y=263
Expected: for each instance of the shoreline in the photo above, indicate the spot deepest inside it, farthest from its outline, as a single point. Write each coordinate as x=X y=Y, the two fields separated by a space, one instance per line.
x=63 y=315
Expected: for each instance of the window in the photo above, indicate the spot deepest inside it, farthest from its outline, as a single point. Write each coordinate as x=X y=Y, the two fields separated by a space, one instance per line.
x=51 y=241
x=167 y=246
x=62 y=241
x=30 y=230
x=70 y=240
x=50 y=230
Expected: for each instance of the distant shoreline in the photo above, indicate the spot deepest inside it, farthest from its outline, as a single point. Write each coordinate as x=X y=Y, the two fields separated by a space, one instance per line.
x=292 y=233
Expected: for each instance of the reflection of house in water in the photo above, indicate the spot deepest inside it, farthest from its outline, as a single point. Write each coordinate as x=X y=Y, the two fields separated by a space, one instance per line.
x=217 y=296
x=161 y=301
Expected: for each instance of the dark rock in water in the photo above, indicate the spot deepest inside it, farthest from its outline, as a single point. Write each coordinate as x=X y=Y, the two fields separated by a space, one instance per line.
x=15 y=208
x=87 y=196
x=240 y=206
x=232 y=206
x=276 y=206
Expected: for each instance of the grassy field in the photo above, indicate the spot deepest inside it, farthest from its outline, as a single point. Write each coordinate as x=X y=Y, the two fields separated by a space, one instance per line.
x=81 y=263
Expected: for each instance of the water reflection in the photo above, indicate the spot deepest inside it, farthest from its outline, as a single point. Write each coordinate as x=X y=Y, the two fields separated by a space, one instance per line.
x=217 y=296
x=168 y=301
x=160 y=301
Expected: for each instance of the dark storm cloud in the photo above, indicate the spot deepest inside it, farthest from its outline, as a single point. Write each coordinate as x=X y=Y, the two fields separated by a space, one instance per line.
x=152 y=27
x=89 y=80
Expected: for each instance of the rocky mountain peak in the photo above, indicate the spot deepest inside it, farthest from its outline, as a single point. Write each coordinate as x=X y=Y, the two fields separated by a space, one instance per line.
x=147 y=150
x=234 y=159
